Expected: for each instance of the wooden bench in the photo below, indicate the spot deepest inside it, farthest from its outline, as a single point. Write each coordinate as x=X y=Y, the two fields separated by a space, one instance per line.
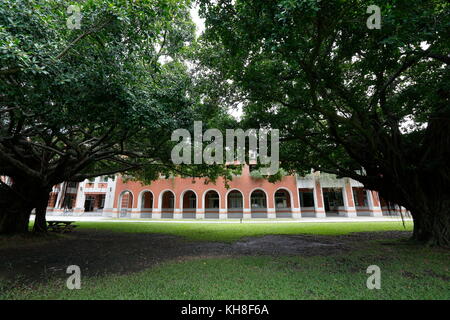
x=61 y=226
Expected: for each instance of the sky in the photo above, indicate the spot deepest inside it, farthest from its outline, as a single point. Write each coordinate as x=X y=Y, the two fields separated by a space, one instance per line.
x=200 y=23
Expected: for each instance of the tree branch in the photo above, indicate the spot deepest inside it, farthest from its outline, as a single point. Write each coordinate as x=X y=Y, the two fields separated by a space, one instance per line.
x=82 y=36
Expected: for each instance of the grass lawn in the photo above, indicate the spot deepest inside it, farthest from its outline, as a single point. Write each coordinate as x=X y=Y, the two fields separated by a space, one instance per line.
x=407 y=271
x=232 y=232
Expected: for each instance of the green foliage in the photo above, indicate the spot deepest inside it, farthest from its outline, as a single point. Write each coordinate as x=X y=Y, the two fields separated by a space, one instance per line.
x=256 y=173
x=343 y=96
x=101 y=99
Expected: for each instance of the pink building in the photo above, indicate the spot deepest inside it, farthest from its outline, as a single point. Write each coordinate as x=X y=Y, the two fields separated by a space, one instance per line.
x=316 y=195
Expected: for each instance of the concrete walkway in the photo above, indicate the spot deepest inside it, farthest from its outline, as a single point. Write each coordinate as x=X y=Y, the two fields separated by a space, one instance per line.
x=302 y=220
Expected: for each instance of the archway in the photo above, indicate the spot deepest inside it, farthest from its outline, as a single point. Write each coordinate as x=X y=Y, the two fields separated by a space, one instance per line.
x=333 y=200
x=189 y=207
x=307 y=203
x=146 y=204
x=258 y=204
x=167 y=204
x=125 y=204
x=283 y=205
x=212 y=204
x=235 y=204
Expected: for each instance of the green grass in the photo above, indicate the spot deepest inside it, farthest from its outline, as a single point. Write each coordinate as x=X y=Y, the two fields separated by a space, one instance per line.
x=232 y=232
x=407 y=271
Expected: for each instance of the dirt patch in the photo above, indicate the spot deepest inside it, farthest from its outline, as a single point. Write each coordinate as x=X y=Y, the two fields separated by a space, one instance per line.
x=288 y=245
x=105 y=252
x=433 y=274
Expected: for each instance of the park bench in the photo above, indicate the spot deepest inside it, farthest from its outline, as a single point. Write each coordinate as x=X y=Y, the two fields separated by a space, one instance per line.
x=61 y=226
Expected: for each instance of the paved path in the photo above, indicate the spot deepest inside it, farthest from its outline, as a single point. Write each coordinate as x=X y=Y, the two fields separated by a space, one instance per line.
x=302 y=220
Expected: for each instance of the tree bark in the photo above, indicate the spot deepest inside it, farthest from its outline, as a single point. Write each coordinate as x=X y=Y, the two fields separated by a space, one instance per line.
x=427 y=198
x=430 y=186
x=40 y=222
x=432 y=228
x=14 y=211
x=16 y=203
x=14 y=220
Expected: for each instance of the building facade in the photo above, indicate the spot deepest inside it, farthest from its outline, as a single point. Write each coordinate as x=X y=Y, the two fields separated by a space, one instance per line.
x=316 y=195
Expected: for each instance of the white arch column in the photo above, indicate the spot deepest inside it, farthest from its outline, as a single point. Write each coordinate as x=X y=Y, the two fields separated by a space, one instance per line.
x=375 y=210
x=135 y=213
x=81 y=198
x=271 y=211
x=296 y=211
x=109 y=210
x=223 y=213
x=177 y=213
x=319 y=206
x=178 y=210
x=200 y=214
x=247 y=212
x=157 y=204
x=156 y=214
x=349 y=203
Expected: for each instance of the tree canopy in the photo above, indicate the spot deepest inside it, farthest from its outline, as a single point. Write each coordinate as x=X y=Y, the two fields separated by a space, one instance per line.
x=370 y=104
x=78 y=103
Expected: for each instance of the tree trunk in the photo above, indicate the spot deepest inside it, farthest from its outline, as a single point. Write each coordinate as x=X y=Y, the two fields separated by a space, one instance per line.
x=14 y=219
x=430 y=193
x=14 y=212
x=40 y=222
x=428 y=200
x=432 y=228
x=16 y=203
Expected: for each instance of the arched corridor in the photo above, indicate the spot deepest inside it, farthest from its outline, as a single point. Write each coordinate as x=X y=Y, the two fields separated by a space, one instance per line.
x=258 y=204
x=125 y=204
x=146 y=204
x=189 y=204
x=283 y=204
x=235 y=204
x=167 y=204
x=212 y=204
